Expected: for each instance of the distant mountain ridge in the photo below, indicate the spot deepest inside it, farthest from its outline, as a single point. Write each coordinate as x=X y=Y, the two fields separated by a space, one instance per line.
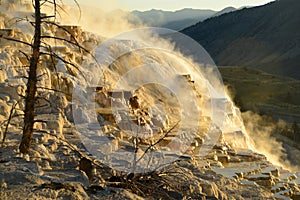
x=176 y=20
x=224 y=11
x=264 y=37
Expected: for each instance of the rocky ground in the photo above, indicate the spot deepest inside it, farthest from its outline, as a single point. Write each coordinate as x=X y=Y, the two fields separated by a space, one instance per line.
x=51 y=171
x=61 y=166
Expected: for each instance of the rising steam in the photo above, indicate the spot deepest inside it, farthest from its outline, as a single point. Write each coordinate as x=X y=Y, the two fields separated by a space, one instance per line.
x=107 y=24
x=260 y=130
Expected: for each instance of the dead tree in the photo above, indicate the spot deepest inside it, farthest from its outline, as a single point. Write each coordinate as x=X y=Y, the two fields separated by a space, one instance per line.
x=34 y=58
x=32 y=83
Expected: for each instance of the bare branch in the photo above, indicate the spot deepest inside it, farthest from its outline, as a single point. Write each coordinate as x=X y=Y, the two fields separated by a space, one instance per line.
x=158 y=141
x=67 y=41
x=27 y=57
x=8 y=121
x=16 y=40
x=54 y=90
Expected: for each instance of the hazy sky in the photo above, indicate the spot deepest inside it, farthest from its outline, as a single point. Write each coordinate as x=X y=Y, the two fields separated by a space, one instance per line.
x=171 y=4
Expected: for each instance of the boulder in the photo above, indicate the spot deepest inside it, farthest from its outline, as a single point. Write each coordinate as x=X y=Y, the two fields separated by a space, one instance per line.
x=210 y=189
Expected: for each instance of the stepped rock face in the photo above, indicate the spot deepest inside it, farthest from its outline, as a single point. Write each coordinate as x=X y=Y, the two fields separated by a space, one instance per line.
x=123 y=122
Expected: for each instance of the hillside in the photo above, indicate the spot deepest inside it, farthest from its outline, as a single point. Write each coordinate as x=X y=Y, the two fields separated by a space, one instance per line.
x=264 y=37
x=264 y=93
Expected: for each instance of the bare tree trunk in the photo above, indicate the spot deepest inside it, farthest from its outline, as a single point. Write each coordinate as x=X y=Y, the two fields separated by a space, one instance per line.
x=31 y=84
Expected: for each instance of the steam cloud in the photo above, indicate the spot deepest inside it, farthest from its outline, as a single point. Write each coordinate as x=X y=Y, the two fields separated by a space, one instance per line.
x=260 y=131
x=110 y=23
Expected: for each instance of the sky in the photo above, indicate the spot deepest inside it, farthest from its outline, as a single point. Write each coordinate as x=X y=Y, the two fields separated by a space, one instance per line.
x=171 y=4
